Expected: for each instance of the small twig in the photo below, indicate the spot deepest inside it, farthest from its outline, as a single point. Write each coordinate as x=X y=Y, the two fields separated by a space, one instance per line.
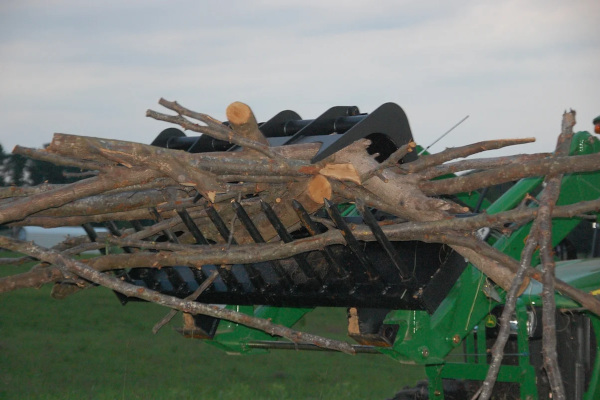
x=477 y=393
x=205 y=285
x=230 y=239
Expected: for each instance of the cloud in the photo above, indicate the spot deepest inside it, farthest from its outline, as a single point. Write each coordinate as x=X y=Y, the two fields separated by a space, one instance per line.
x=94 y=69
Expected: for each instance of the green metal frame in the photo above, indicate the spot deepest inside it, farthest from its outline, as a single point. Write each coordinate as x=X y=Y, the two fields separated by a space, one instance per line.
x=428 y=339
x=476 y=364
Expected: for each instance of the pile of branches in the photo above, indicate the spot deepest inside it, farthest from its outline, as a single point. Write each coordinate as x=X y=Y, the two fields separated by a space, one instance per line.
x=131 y=181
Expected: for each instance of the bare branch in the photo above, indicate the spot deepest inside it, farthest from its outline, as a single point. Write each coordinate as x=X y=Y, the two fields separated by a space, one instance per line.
x=460 y=152
x=86 y=272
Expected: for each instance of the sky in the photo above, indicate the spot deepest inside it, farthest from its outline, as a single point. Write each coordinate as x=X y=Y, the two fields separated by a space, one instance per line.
x=93 y=68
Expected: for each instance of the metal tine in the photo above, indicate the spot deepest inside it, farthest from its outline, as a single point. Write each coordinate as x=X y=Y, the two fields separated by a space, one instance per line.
x=200 y=276
x=114 y=230
x=89 y=230
x=287 y=238
x=254 y=274
x=371 y=222
x=352 y=242
x=198 y=237
x=172 y=238
x=174 y=278
x=137 y=225
x=145 y=274
x=216 y=219
x=283 y=278
x=313 y=230
x=92 y=235
x=219 y=224
x=192 y=227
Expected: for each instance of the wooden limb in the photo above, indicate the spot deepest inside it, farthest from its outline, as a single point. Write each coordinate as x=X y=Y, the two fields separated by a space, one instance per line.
x=478 y=164
x=264 y=252
x=460 y=152
x=212 y=130
x=541 y=232
x=392 y=160
x=111 y=178
x=350 y=192
x=237 y=163
x=85 y=174
x=171 y=163
x=10 y=192
x=259 y=178
x=244 y=123
x=507 y=313
x=53 y=222
x=482 y=249
x=205 y=285
x=550 y=166
x=48 y=156
x=106 y=204
x=35 y=278
x=550 y=355
x=14 y=261
x=86 y=272
x=470 y=224
x=547 y=202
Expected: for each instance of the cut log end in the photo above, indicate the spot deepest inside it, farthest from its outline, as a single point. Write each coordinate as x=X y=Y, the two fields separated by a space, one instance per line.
x=319 y=189
x=238 y=113
x=342 y=172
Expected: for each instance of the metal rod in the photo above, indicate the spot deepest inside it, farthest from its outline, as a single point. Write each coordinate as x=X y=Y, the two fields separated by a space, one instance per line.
x=167 y=232
x=275 y=345
x=285 y=236
x=255 y=277
x=92 y=235
x=114 y=230
x=137 y=225
x=227 y=275
x=371 y=222
x=352 y=242
x=219 y=224
x=282 y=277
x=313 y=230
x=192 y=227
x=444 y=134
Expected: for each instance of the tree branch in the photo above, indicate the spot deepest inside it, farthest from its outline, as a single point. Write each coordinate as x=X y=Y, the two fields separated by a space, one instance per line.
x=187 y=306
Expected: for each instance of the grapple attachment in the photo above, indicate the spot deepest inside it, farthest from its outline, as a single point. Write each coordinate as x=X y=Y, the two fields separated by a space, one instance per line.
x=378 y=274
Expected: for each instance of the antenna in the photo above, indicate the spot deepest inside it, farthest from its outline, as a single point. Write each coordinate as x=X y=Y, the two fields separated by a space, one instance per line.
x=441 y=137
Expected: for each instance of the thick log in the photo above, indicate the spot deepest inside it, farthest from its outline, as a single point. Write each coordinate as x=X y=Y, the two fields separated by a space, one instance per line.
x=244 y=123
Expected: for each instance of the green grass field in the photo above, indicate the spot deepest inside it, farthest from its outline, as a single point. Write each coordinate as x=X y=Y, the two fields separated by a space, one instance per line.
x=89 y=346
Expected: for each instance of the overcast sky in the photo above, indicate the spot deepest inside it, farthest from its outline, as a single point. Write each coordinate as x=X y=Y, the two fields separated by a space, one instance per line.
x=93 y=68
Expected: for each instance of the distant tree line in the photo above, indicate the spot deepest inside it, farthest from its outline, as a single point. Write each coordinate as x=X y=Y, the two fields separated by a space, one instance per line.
x=21 y=171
